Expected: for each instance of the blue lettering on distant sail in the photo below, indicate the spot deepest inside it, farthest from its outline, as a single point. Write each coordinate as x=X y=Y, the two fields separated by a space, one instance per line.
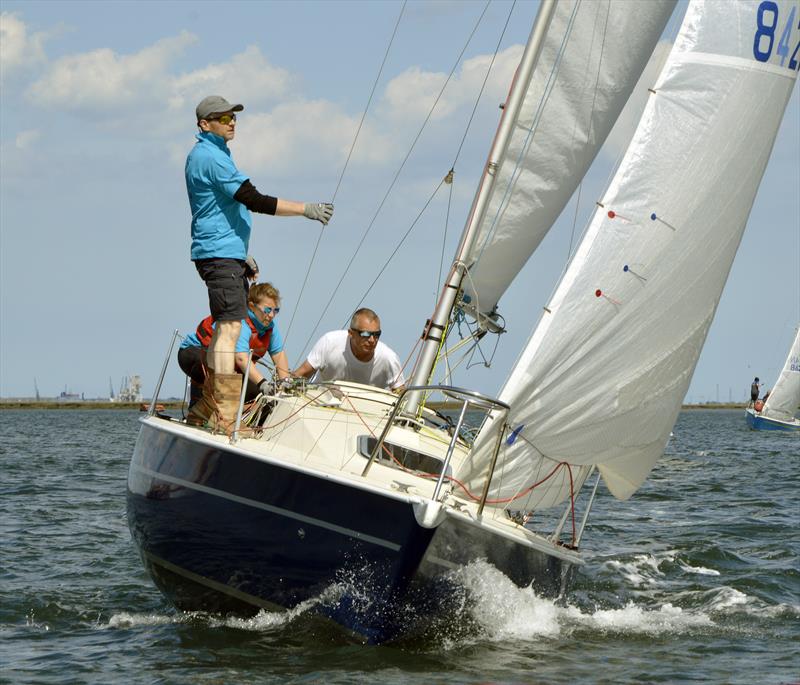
x=767 y=21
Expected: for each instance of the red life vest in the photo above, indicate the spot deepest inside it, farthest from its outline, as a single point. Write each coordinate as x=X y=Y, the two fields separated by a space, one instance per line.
x=258 y=343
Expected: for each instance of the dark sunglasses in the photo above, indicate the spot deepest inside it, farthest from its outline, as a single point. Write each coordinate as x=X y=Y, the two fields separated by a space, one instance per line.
x=366 y=334
x=270 y=310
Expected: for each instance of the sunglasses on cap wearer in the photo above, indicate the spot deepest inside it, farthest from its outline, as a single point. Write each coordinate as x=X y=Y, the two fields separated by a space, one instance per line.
x=270 y=310
x=225 y=119
x=366 y=334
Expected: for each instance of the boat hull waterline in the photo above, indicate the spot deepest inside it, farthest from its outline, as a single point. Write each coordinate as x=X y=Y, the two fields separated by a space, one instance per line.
x=758 y=422
x=220 y=529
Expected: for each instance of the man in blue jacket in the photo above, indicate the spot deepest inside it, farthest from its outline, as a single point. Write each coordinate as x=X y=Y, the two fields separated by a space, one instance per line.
x=221 y=199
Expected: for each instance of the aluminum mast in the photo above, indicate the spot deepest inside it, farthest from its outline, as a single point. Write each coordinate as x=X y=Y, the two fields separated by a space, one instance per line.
x=434 y=330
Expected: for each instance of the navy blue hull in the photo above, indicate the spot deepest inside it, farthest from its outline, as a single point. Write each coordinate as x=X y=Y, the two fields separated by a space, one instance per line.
x=222 y=531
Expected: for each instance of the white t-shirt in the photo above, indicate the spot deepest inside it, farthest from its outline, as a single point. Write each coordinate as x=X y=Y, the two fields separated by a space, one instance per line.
x=333 y=359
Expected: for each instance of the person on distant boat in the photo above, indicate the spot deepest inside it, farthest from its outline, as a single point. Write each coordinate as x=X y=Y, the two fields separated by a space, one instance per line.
x=258 y=332
x=355 y=355
x=754 y=390
x=221 y=198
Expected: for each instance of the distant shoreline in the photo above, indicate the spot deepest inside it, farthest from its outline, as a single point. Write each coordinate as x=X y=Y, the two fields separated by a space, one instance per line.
x=26 y=404
x=87 y=404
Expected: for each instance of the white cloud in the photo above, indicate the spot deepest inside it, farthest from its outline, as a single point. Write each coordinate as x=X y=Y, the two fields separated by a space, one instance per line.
x=102 y=79
x=25 y=139
x=248 y=78
x=412 y=93
x=280 y=128
x=297 y=134
x=18 y=48
x=104 y=82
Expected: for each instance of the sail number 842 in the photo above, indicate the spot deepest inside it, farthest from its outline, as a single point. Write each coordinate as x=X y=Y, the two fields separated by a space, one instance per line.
x=767 y=20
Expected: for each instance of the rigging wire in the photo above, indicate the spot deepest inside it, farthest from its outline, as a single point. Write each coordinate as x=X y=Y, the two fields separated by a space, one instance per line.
x=464 y=138
x=346 y=163
x=400 y=243
x=448 y=179
x=483 y=85
x=394 y=180
x=369 y=101
x=514 y=174
x=444 y=238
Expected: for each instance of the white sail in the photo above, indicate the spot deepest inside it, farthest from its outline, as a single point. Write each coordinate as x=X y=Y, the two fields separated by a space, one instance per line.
x=784 y=399
x=603 y=376
x=592 y=56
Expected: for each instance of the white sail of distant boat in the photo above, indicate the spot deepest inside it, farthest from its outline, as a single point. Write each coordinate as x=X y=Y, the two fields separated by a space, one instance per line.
x=781 y=409
x=784 y=399
x=602 y=378
x=592 y=56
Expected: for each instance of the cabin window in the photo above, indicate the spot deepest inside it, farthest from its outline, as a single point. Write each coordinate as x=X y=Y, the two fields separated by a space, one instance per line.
x=400 y=456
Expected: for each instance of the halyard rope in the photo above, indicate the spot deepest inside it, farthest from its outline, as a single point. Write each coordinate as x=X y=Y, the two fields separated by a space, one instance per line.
x=347 y=162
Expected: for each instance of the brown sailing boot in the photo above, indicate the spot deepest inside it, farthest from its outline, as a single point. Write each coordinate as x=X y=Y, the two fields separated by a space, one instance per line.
x=227 y=392
x=204 y=409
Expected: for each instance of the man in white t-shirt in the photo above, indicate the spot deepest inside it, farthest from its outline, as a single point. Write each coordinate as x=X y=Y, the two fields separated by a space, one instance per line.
x=355 y=355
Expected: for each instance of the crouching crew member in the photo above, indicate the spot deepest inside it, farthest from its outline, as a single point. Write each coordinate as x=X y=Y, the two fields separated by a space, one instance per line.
x=259 y=333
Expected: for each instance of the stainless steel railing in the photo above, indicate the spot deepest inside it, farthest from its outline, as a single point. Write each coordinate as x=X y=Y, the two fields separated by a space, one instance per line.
x=469 y=399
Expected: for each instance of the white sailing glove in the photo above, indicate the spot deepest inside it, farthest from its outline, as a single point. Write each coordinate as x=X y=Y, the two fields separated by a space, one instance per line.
x=321 y=212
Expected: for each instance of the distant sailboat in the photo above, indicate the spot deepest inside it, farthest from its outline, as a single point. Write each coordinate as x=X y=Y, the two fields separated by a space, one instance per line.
x=780 y=411
x=352 y=498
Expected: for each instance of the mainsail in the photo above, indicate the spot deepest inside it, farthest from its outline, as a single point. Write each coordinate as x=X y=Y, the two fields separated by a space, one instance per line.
x=603 y=376
x=784 y=399
x=592 y=56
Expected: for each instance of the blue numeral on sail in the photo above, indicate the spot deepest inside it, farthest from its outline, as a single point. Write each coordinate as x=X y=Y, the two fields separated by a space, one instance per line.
x=765 y=10
x=793 y=59
x=783 y=43
x=764 y=38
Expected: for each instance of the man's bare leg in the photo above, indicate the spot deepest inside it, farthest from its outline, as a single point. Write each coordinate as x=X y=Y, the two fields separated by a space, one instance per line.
x=222 y=346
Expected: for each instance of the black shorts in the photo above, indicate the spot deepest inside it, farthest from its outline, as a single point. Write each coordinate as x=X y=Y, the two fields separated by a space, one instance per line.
x=192 y=360
x=227 y=287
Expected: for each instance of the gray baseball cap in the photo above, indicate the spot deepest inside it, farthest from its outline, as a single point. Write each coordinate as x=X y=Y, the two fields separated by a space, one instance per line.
x=215 y=104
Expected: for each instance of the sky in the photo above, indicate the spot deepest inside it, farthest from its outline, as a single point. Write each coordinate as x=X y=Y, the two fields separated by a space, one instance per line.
x=97 y=116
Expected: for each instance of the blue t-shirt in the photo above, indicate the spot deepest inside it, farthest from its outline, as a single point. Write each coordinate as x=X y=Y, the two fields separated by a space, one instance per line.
x=220 y=224
x=243 y=342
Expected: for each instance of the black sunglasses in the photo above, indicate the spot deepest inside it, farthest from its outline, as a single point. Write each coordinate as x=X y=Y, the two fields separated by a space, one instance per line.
x=366 y=334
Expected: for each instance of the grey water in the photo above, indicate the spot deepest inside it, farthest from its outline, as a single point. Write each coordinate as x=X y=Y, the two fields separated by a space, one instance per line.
x=695 y=579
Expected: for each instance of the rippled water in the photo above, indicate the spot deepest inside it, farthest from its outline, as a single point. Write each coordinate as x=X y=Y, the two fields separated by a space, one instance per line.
x=695 y=579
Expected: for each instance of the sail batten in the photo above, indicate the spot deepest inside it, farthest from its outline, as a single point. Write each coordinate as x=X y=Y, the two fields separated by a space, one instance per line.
x=604 y=374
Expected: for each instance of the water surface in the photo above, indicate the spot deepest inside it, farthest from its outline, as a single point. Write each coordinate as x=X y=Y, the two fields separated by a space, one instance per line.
x=694 y=579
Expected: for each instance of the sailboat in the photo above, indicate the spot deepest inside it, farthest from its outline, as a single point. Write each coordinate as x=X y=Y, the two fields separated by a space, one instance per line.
x=780 y=411
x=359 y=503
